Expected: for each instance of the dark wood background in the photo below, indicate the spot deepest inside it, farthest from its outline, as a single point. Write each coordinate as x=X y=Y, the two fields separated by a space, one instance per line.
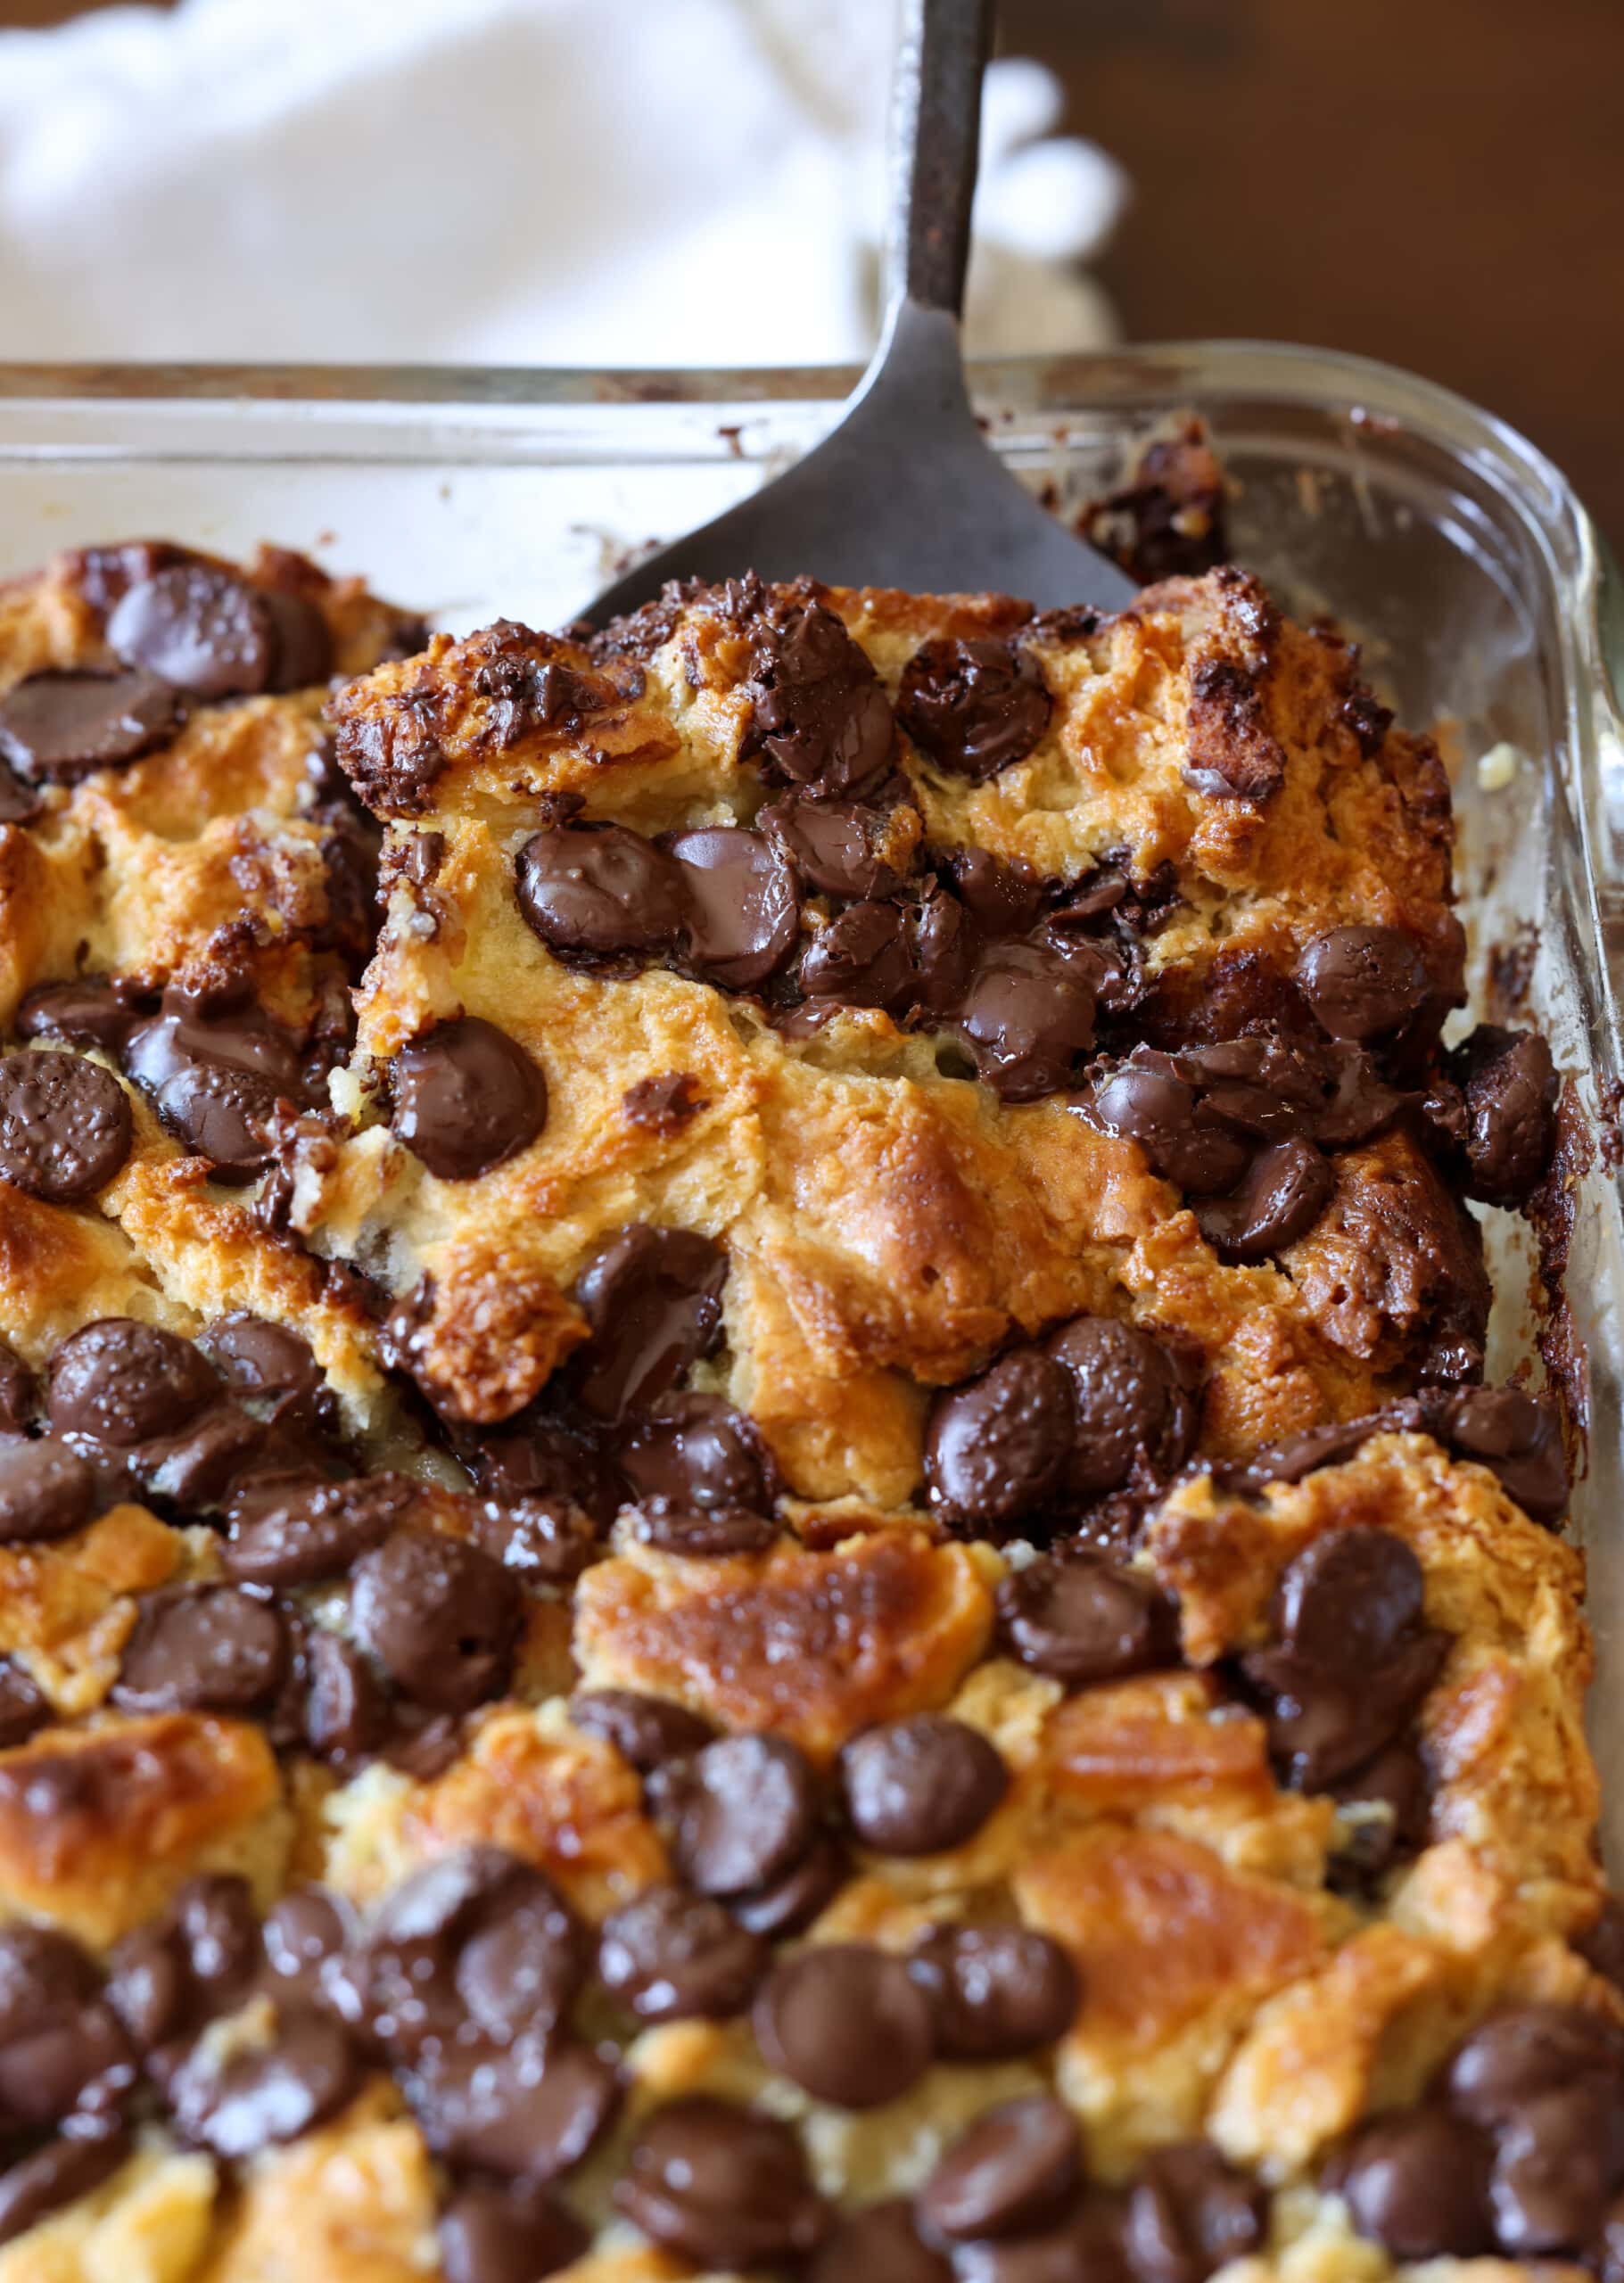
x=1436 y=182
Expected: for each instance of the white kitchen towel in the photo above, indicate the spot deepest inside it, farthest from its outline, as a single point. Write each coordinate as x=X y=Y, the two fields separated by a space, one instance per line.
x=579 y=182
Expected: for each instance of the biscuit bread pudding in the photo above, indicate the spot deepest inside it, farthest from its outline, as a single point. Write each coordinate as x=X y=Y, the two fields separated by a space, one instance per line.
x=749 y=1521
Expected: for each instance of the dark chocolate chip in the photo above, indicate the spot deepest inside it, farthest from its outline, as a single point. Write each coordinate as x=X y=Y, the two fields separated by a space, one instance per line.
x=260 y=2098
x=1084 y=2246
x=188 y=1034
x=664 y=1104
x=56 y=728
x=531 y=2111
x=743 y=908
x=1190 y=2214
x=944 y=947
x=58 y=2174
x=709 y=1534
x=997 y=1992
x=997 y=1448
x=1516 y=1436
x=1015 y=2170
x=1558 y=2161
x=91 y=1013
x=302 y=645
x=1520 y=2054
x=198 y=627
x=45 y=1490
x=213 y=1649
x=24 y=1709
x=18 y=1391
x=651 y=1298
x=1082 y=1618
x=1127 y=1400
x=46 y=1977
x=741 y=1812
x=880 y=2246
x=225 y=1115
x=214 y=1921
x=833 y=845
x=467 y=1099
x=789 y=1903
x=672 y=1956
x=520 y=1968
x=846 y=2022
x=922 y=1785
x=1282 y=1195
x=346 y=1714
x=819 y=717
x=696 y=1451
x=441 y=1618
x=274 y=1368
x=1418 y=2184
x=1028 y=1014
x=600 y=891
x=302 y=1931
x=1349 y=1599
x=1362 y=981
x=723 y=2186
x=1511 y=1088
x=861 y=959
x=1384 y=1820
x=645 y=1730
x=65 y=1127
x=974 y=707
x=543 y=1541
x=1145 y=1097
x=1324 y=1725
x=507 y=2234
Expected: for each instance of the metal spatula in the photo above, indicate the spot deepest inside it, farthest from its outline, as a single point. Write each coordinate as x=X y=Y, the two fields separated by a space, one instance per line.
x=904 y=492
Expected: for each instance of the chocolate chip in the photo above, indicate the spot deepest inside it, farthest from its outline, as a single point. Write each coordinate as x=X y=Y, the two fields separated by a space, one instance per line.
x=1517 y=1438
x=861 y=959
x=1418 y=2184
x=212 y=1650
x=189 y=1034
x=520 y=1968
x=671 y=1956
x=742 y=907
x=1282 y=1195
x=944 y=949
x=1557 y=2164
x=664 y=1104
x=1016 y=2169
x=302 y=1931
x=58 y=2174
x=651 y=1298
x=1518 y=2055
x=91 y=1013
x=723 y=2186
x=543 y=1541
x=1127 y=1400
x=274 y=1367
x=975 y=707
x=507 y=2234
x=227 y=1116
x=529 y=2110
x=199 y=628
x=1190 y=2214
x=1348 y=1600
x=998 y=1446
x=1145 y=1097
x=1511 y=1088
x=741 y=1812
x=1362 y=981
x=697 y=1451
x=1383 y=1818
x=878 y=2246
x=346 y=1714
x=818 y=716
x=1081 y=1618
x=213 y=1919
x=645 y=1730
x=18 y=1391
x=257 y=2098
x=1323 y=1725
x=467 y=1099
x=789 y=1903
x=24 y=1711
x=65 y=1126
x=600 y=891
x=834 y=846
x=45 y=1490
x=1085 y=2244
x=920 y=1786
x=441 y=1618
x=997 y=1992
x=845 y=2022
x=706 y=1535
x=1027 y=1014
x=543 y=1459
x=46 y=1977
x=302 y=645
x=56 y=728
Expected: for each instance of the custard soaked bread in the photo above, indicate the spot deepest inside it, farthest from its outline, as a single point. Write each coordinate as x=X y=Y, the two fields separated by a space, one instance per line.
x=748 y=1520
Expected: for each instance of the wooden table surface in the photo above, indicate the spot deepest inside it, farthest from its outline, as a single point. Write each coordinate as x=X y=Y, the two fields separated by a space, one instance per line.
x=1436 y=182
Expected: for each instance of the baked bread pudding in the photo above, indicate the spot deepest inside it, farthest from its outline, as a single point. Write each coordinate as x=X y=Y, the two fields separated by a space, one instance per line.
x=749 y=1521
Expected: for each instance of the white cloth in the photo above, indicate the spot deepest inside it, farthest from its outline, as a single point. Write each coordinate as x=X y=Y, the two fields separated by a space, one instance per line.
x=586 y=182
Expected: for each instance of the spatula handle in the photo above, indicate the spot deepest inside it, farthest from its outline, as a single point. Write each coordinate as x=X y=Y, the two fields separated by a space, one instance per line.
x=944 y=48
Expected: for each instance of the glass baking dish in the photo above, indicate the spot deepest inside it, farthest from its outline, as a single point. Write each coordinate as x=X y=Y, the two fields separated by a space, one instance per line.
x=1454 y=550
